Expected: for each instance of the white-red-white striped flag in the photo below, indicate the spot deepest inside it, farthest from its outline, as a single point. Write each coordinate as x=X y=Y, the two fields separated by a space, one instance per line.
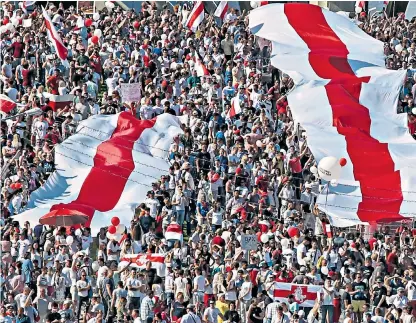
x=304 y=295
x=221 y=10
x=56 y=40
x=174 y=232
x=102 y=168
x=201 y=69
x=346 y=101
x=196 y=16
x=157 y=261
x=235 y=108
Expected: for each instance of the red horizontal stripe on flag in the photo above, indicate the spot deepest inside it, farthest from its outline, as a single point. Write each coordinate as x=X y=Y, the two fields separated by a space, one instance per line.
x=113 y=165
x=372 y=163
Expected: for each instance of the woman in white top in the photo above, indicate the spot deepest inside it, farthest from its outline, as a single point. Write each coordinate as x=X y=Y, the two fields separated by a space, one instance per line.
x=216 y=215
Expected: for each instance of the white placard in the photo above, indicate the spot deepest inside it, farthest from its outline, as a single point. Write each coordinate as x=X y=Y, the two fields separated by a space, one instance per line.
x=26 y=23
x=131 y=92
x=249 y=242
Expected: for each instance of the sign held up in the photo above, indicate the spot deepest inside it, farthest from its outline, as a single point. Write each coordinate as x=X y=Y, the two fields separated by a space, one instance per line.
x=131 y=92
x=249 y=242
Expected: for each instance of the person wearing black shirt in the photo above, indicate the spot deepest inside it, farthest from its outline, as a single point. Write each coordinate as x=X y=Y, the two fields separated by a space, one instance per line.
x=150 y=274
x=379 y=294
x=232 y=315
x=203 y=161
x=346 y=297
x=358 y=294
x=367 y=269
x=146 y=222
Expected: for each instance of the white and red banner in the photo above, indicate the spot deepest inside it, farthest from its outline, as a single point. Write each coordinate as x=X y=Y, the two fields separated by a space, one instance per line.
x=157 y=261
x=58 y=101
x=103 y=168
x=6 y=104
x=305 y=295
x=221 y=10
x=196 y=16
x=174 y=232
x=346 y=100
x=56 y=40
x=235 y=108
x=201 y=69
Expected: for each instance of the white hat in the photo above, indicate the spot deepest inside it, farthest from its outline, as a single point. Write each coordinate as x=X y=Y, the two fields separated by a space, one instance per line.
x=308 y=185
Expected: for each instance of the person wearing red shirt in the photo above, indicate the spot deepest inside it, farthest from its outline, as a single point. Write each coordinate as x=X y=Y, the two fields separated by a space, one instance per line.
x=296 y=169
x=95 y=60
x=17 y=47
x=392 y=260
x=53 y=82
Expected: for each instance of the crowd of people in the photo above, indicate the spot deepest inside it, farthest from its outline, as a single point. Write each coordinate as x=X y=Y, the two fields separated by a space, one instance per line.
x=248 y=175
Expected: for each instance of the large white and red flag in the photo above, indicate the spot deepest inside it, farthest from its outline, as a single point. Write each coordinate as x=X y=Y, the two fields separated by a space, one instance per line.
x=157 y=261
x=304 y=295
x=221 y=10
x=199 y=66
x=235 y=108
x=56 y=40
x=346 y=100
x=196 y=16
x=104 y=169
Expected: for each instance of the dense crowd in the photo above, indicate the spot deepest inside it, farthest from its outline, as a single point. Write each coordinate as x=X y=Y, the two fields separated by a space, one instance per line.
x=246 y=176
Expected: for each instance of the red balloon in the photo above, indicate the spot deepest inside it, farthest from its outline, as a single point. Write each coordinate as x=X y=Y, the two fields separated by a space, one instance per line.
x=94 y=39
x=112 y=229
x=6 y=20
x=88 y=22
x=115 y=221
x=13 y=186
x=343 y=162
x=293 y=232
x=136 y=25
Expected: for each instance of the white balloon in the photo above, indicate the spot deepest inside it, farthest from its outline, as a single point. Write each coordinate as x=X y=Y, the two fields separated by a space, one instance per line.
x=98 y=33
x=163 y=36
x=69 y=239
x=398 y=48
x=414 y=111
x=96 y=16
x=329 y=168
x=264 y=238
x=110 y=236
x=358 y=9
x=117 y=237
x=334 y=183
x=109 y=5
x=120 y=228
x=254 y=4
x=314 y=170
x=95 y=266
x=3 y=29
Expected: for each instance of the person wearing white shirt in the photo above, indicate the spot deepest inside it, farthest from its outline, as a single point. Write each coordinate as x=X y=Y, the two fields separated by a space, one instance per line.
x=190 y=316
x=152 y=203
x=113 y=249
x=398 y=300
x=198 y=286
x=133 y=290
x=327 y=298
